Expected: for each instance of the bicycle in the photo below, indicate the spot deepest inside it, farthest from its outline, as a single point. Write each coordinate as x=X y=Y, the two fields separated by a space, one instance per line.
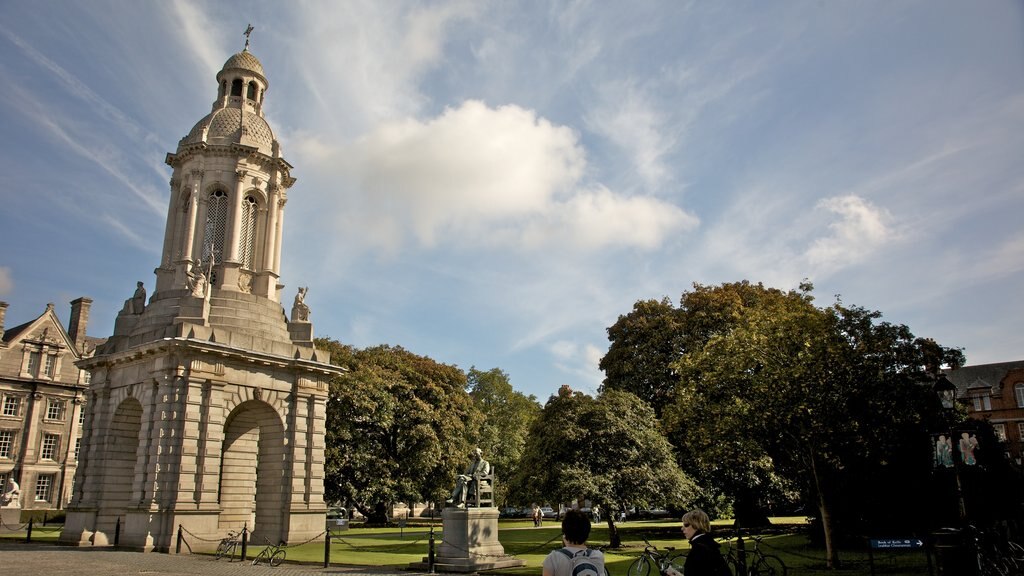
x=761 y=565
x=272 y=554
x=228 y=546
x=661 y=561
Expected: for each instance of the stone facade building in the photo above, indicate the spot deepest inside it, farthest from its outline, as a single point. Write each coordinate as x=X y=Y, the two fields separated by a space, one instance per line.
x=207 y=405
x=42 y=394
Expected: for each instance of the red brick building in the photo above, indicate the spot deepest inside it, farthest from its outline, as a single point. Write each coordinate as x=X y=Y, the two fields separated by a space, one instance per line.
x=995 y=392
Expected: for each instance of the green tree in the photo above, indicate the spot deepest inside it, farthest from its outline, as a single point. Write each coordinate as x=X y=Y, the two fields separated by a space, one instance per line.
x=398 y=428
x=644 y=344
x=507 y=416
x=817 y=393
x=607 y=449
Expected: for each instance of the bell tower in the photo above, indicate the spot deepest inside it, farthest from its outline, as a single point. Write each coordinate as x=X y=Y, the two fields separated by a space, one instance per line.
x=207 y=404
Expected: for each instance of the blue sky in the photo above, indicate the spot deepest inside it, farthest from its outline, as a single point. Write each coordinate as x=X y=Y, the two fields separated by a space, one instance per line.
x=492 y=184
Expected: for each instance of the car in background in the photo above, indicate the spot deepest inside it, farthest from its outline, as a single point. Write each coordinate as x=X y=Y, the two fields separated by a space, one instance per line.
x=654 y=513
x=548 y=512
x=511 y=512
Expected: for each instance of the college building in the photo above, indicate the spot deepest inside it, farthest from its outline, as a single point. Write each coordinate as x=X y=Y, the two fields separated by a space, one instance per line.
x=995 y=392
x=42 y=401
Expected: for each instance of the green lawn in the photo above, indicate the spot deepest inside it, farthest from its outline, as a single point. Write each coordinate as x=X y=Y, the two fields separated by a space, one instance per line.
x=398 y=548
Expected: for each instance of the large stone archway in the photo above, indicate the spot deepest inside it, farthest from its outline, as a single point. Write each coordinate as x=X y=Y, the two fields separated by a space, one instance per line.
x=250 y=495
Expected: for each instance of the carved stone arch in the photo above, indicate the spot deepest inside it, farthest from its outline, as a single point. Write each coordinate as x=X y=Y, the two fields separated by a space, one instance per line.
x=120 y=448
x=254 y=465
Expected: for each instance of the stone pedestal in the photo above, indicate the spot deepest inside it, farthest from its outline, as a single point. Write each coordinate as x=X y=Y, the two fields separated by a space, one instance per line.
x=470 y=543
x=10 y=518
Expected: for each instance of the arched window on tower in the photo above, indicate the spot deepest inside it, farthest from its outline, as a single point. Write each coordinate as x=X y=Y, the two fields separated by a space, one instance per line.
x=236 y=87
x=247 y=240
x=251 y=92
x=216 y=228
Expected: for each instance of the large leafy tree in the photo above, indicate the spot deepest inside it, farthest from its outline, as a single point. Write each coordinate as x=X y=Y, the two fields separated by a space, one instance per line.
x=644 y=344
x=507 y=416
x=828 y=398
x=607 y=449
x=399 y=427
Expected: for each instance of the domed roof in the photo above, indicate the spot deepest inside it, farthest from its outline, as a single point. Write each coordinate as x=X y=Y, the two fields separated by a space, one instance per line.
x=244 y=60
x=224 y=126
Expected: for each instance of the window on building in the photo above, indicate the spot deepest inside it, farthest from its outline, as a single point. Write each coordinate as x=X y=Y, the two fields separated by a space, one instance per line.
x=6 y=444
x=1020 y=431
x=51 y=365
x=1000 y=430
x=44 y=487
x=51 y=443
x=12 y=405
x=87 y=377
x=1018 y=391
x=33 y=363
x=81 y=416
x=78 y=448
x=982 y=402
x=216 y=227
x=247 y=240
x=55 y=409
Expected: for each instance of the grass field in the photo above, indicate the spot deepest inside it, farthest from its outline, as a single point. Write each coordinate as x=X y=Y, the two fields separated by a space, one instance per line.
x=397 y=548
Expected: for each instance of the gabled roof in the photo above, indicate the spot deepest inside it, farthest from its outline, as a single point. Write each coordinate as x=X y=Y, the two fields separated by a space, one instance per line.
x=46 y=321
x=981 y=376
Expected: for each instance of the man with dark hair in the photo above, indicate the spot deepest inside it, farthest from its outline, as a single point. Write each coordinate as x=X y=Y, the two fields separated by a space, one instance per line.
x=574 y=558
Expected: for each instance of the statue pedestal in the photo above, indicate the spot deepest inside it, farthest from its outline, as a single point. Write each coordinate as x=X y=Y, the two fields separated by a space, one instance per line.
x=10 y=518
x=470 y=543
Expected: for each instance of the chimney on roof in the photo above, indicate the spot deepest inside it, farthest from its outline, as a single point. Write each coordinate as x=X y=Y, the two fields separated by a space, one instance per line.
x=79 y=320
x=3 y=314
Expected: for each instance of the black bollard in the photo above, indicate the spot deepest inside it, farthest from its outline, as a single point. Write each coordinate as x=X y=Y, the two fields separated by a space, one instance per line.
x=28 y=536
x=430 y=552
x=741 y=555
x=245 y=541
x=117 y=532
x=177 y=546
x=327 y=550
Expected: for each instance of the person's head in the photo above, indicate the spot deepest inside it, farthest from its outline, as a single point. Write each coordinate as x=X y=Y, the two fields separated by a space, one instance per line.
x=478 y=453
x=575 y=527
x=695 y=522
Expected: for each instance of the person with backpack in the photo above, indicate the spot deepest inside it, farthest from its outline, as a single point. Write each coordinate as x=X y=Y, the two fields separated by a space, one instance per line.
x=704 y=558
x=574 y=558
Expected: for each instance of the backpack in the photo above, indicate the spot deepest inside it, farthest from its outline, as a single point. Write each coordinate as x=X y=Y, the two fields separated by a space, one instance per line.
x=584 y=564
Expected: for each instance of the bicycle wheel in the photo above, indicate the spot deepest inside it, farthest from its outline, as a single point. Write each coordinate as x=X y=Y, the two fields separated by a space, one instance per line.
x=260 y=557
x=277 y=557
x=225 y=549
x=676 y=563
x=640 y=567
x=768 y=565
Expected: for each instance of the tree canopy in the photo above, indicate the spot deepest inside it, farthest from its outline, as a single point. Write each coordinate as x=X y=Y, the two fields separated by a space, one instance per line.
x=607 y=449
x=399 y=427
x=506 y=419
x=815 y=395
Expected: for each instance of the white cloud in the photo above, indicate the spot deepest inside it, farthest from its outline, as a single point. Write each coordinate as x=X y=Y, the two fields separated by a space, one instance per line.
x=492 y=176
x=860 y=230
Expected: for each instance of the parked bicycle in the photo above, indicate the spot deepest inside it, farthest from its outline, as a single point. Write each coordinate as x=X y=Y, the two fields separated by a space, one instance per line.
x=228 y=546
x=760 y=564
x=272 y=554
x=995 y=556
x=660 y=561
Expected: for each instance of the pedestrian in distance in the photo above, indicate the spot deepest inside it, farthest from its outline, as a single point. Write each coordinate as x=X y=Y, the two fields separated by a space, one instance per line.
x=574 y=558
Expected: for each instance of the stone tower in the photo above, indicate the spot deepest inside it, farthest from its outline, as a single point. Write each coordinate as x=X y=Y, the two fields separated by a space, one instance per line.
x=207 y=405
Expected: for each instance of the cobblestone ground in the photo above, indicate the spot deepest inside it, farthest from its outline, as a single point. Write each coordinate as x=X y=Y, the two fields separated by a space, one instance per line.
x=32 y=559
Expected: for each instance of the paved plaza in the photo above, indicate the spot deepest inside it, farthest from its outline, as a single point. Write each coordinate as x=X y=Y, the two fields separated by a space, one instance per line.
x=36 y=559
